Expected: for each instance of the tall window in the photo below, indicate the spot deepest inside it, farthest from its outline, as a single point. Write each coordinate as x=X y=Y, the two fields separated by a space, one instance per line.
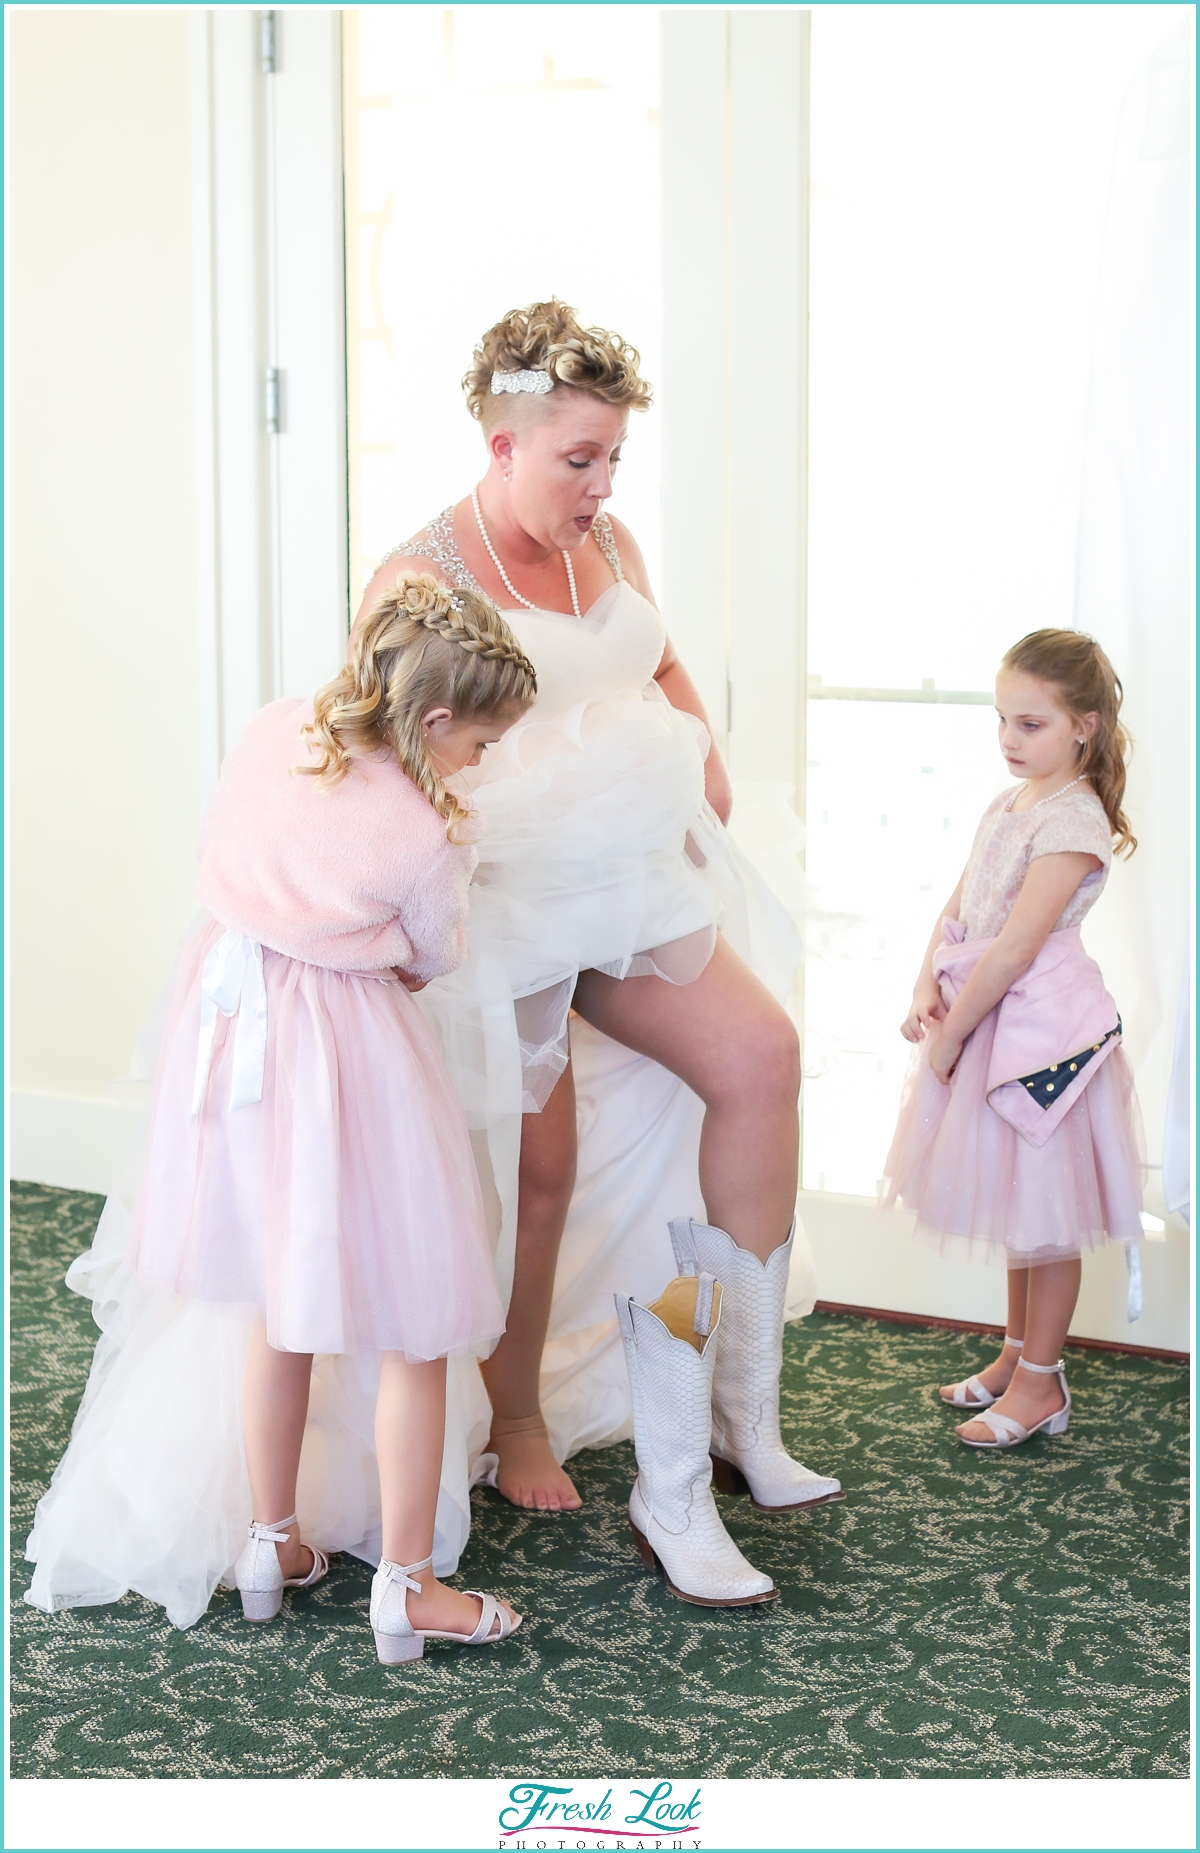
x=960 y=161
x=495 y=156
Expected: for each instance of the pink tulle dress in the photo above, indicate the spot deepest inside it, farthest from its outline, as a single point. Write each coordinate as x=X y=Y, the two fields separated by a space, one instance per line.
x=1031 y=1153
x=307 y=1154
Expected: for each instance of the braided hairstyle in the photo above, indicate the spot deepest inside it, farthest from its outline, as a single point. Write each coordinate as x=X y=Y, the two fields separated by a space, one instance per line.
x=549 y=337
x=1086 y=683
x=422 y=647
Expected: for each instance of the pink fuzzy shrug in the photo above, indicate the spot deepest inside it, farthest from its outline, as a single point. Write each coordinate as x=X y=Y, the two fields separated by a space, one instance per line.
x=356 y=877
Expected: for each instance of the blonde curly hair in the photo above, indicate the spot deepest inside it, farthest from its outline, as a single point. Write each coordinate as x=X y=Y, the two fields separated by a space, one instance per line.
x=549 y=337
x=422 y=647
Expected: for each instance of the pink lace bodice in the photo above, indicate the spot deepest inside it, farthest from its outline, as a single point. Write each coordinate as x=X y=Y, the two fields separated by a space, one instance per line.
x=1007 y=841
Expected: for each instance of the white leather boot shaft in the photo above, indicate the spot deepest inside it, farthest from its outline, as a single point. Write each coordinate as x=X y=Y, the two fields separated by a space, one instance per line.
x=671 y=1505
x=749 y=1356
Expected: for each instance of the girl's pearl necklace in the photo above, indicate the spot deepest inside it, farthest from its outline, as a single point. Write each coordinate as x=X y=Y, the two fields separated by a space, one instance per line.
x=1053 y=794
x=504 y=578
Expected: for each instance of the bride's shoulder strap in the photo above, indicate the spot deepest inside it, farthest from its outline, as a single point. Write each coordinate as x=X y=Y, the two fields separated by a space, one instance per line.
x=606 y=541
x=436 y=543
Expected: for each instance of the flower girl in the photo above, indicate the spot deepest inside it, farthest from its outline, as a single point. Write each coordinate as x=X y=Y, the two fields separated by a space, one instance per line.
x=307 y=1160
x=1018 y=1125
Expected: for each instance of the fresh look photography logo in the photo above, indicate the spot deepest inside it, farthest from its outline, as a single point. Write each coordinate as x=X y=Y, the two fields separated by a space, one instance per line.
x=572 y=1814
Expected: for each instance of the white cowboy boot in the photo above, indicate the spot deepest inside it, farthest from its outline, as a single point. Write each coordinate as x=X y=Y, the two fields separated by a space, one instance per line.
x=669 y=1351
x=747 y=1449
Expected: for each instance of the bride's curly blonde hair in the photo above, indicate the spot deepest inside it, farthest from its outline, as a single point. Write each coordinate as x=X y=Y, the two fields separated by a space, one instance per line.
x=548 y=337
x=422 y=647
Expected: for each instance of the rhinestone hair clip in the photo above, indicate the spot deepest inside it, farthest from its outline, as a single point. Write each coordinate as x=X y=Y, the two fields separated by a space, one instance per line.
x=525 y=381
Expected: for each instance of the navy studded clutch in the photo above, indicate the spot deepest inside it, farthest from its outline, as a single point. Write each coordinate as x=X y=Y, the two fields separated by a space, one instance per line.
x=1048 y=1084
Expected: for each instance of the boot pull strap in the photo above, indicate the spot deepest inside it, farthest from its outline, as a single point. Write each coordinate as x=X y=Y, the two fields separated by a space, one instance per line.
x=624 y=1316
x=702 y=1323
x=683 y=1242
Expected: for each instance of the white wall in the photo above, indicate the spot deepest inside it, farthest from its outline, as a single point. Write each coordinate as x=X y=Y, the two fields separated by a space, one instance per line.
x=105 y=731
x=867 y=1258
x=176 y=230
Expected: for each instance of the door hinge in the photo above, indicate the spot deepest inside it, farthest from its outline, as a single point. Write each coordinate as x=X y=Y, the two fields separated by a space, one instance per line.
x=268 y=43
x=728 y=706
x=273 y=400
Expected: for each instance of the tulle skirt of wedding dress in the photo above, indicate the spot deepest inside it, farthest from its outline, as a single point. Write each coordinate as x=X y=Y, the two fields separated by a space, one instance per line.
x=637 y=884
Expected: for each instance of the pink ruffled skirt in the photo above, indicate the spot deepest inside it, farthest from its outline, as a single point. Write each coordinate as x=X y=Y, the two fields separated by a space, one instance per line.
x=345 y=1204
x=976 y=1186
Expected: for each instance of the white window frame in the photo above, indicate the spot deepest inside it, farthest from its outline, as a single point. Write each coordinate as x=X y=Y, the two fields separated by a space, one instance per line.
x=269 y=359
x=735 y=373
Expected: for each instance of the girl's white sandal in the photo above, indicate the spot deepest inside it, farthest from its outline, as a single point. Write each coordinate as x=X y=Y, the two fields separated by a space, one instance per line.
x=396 y=1640
x=258 y=1576
x=1008 y=1433
x=980 y=1396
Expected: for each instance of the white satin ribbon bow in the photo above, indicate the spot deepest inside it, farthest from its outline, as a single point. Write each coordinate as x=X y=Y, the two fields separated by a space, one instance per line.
x=232 y=982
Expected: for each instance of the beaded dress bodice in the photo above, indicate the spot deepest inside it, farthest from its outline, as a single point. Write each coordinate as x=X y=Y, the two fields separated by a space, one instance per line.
x=437 y=543
x=614 y=648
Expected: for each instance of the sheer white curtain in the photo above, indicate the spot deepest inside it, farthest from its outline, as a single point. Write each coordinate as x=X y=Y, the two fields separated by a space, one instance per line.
x=1134 y=587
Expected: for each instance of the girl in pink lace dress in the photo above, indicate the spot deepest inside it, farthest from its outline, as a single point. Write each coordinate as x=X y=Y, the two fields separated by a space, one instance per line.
x=1018 y=1131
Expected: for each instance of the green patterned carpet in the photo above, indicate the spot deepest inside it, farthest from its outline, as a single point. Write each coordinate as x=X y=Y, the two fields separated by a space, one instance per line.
x=960 y=1615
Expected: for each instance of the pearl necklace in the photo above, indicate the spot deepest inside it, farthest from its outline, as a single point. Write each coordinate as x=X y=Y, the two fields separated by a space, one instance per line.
x=1053 y=794
x=504 y=578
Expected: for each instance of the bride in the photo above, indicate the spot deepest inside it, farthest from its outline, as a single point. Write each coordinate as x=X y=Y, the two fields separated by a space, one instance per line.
x=608 y=887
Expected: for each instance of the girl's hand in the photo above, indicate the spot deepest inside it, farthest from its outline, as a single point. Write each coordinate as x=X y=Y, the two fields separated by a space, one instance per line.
x=409 y=980
x=944 y=1052
x=927 y=1009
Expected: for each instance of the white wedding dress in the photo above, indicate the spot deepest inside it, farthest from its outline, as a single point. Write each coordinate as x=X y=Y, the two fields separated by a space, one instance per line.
x=597 y=851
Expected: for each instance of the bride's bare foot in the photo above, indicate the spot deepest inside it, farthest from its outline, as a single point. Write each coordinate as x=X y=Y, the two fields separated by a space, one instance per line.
x=995 y=1378
x=528 y=1474
x=451 y=1609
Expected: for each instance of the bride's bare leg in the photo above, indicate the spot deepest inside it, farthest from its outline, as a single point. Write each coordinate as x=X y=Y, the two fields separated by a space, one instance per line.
x=528 y=1473
x=737 y=1048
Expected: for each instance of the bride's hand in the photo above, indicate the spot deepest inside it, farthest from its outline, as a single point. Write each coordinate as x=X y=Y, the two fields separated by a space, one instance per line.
x=718 y=788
